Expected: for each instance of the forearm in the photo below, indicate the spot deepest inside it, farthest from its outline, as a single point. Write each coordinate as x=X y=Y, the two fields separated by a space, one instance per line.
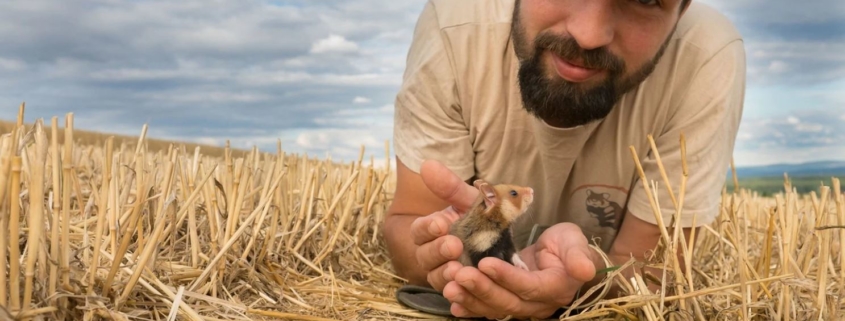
x=653 y=276
x=397 y=231
x=617 y=260
x=636 y=239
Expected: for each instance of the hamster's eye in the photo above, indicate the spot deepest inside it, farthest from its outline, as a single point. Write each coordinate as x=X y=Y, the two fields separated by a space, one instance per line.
x=513 y=193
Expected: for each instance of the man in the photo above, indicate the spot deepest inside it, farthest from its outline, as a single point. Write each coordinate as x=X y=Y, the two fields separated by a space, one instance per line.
x=551 y=94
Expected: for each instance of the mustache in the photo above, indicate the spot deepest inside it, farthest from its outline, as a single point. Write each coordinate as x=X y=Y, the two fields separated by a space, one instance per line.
x=568 y=48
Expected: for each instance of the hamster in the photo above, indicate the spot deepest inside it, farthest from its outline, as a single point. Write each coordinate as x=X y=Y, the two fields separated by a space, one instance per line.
x=486 y=229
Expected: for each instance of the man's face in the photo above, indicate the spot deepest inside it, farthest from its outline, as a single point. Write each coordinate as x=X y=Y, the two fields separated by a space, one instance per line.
x=577 y=57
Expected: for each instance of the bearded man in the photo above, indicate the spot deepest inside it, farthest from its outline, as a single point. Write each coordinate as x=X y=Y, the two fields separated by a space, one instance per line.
x=551 y=94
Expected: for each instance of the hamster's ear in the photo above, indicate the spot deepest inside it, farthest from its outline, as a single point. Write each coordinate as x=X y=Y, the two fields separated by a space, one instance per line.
x=489 y=194
x=477 y=183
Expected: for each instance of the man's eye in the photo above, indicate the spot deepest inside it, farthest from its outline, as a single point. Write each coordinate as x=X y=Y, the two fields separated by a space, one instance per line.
x=649 y=2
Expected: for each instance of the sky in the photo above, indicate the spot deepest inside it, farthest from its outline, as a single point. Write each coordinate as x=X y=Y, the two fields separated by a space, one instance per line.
x=322 y=75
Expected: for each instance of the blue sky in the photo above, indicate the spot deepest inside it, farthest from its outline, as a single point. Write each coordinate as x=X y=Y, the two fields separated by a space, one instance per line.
x=322 y=75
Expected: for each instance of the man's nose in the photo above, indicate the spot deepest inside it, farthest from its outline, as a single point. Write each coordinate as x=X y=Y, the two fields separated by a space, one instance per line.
x=592 y=24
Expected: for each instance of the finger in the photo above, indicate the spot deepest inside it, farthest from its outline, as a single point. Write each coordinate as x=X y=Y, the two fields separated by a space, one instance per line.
x=460 y=311
x=451 y=268
x=448 y=186
x=435 y=253
x=546 y=285
x=579 y=265
x=462 y=300
x=427 y=228
x=439 y=277
x=488 y=298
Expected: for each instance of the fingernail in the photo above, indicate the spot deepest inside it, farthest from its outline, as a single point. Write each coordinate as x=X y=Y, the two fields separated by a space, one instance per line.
x=488 y=267
x=451 y=293
x=469 y=285
x=444 y=250
x=457 y=310
x=434 y=229
x=447 y=273
x=491 y=272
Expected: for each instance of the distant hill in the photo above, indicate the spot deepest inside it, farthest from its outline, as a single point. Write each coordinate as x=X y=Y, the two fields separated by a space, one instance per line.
x=818 y=168
x=87 y=137
x=804 y=177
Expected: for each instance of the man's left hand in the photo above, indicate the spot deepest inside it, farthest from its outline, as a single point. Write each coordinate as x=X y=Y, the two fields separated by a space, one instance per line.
x=560 y=263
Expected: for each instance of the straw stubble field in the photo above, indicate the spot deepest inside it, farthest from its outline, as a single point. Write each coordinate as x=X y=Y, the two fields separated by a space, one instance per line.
x=129 y=232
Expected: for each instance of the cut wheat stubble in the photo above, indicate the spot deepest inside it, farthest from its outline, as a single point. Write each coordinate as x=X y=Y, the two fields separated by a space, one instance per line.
x=157 y=233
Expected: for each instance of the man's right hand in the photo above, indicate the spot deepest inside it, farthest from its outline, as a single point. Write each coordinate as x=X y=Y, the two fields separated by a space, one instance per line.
x=418 y=222
x=436 y=249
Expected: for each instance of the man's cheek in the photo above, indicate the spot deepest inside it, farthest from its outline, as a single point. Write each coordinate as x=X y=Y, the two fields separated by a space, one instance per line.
x=637 y=49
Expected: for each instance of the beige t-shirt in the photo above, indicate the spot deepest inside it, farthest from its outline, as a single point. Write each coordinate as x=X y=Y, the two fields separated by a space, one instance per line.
x=460 y=104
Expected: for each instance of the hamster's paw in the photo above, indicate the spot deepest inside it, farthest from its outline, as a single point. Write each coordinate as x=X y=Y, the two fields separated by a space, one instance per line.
x=518 y=262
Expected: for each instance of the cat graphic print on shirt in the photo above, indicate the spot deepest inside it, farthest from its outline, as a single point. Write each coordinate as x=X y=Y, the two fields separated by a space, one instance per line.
x=602 y=208
x=598 y=209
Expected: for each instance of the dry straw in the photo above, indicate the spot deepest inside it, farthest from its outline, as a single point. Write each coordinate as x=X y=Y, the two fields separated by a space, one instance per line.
x=119 y=230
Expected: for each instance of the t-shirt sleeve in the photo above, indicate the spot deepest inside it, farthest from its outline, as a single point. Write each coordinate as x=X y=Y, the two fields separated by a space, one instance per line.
x=428 y=122
x=708 y=116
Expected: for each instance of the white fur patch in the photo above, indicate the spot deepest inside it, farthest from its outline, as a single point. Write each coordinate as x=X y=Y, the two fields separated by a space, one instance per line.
x=483 y=240
x=518 y=262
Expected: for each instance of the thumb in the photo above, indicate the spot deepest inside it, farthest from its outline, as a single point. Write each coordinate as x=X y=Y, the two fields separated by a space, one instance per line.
x=581 y=266
x=447 y=186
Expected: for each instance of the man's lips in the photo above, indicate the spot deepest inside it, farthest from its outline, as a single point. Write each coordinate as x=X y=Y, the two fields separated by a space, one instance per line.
x=572 y=72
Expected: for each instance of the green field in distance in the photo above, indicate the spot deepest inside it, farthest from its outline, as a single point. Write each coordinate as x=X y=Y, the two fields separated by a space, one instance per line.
x=769 y=186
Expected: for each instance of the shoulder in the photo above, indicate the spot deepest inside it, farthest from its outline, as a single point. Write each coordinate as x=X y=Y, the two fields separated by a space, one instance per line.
x=455 y=13
x=706 y=31
x=706 y=55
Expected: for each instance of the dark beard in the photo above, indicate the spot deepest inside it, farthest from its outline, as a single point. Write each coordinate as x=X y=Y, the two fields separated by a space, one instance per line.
x=559 y=102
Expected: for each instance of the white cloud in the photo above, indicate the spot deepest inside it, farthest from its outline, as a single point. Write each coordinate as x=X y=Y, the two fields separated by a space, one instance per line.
x=252 y=72
x=279 y=77
x=781 y=10
x=237 y=71
x=334 y=43
x=211 y=141
x=795 y=62
x=813 y=128
x=354 y=118
x=775 y=154
x=802 y=49
x=66 y=67
x=337 y=139
x=794 y=136
x=778 y=66
x=344 y=143
x=11 y=64
x=205 y=97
